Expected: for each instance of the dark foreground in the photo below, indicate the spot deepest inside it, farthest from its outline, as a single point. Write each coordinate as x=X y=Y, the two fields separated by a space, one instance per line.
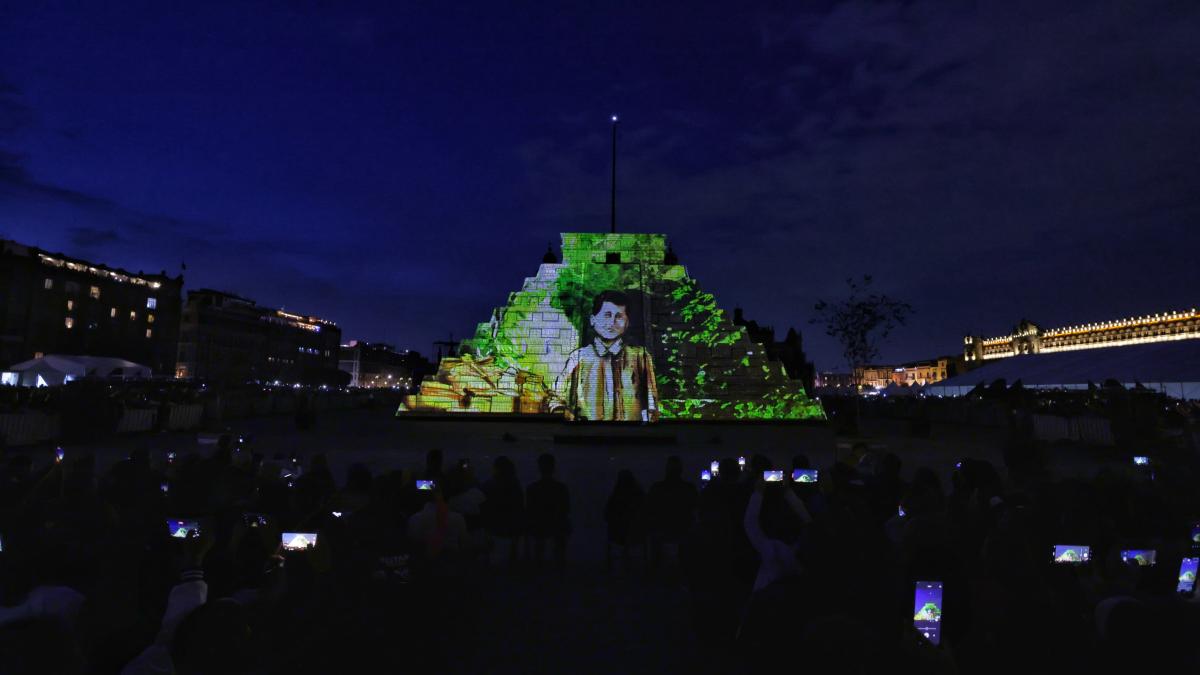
x=371 y=598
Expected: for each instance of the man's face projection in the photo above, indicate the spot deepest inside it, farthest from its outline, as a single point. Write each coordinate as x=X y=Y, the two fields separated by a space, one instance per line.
x=610 y=322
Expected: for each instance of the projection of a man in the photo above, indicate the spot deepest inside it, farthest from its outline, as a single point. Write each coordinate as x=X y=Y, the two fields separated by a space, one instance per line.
x=608 y=379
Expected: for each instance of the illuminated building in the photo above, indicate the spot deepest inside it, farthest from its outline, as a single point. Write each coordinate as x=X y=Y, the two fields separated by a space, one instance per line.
x=55 y=304
x=378 y=365
x=1028 y=338
x=226 y=338
x=880 y=377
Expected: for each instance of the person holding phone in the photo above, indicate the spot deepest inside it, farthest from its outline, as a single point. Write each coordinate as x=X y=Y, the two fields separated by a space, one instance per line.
x=773 y=520
x=435 y=528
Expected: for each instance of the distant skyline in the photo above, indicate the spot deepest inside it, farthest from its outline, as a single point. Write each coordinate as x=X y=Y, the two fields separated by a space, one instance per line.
x=400 y=170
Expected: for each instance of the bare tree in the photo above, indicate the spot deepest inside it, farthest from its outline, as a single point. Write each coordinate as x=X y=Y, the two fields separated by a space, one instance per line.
x=860 y=321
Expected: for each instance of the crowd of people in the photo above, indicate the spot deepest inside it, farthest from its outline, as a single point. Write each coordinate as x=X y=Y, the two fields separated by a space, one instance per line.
x=177 y=564
x=827 y=574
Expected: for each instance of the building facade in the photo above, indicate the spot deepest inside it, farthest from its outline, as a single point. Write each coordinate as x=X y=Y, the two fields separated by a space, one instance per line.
x=54 y=304
x=1028 y=338
x=910 y=374
x=227 y=339
x=379 y=365
x=879 y=377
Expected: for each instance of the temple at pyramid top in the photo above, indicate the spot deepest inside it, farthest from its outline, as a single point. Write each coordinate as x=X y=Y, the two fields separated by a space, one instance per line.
x=615 y=332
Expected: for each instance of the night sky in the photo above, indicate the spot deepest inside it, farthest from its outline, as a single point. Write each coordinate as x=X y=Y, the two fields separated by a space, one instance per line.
x=400 y=170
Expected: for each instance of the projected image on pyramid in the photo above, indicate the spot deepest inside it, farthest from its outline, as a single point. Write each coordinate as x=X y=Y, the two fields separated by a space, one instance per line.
x=615 y=332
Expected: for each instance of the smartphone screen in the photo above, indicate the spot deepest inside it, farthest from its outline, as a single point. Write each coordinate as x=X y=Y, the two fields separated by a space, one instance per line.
x=927 y=610
x=1196 y=534
x=715 y=467
x=1072 y=554
x=1144 y=557
x=804 y=475
x=425 y=485
x=706 y=475
x=742 y=462
x=298 y=541
x=1187 y=575
x=900 y=510
x=1141 y=460
x=182 y=529
x=773 y=476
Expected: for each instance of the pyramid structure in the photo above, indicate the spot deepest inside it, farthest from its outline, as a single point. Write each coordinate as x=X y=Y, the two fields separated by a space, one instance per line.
x=704 y=366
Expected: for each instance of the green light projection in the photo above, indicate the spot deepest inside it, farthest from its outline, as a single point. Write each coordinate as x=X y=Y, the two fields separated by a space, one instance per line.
x=544 y=350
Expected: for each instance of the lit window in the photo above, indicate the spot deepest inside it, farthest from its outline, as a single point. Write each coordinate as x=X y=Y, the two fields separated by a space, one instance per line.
x=113 y=312
x=133 y=316
x=151 y=303
x=148 y=332
x=94 y=291
x=69 y=322
x=48 y=284
x=149 y=318
x=70 y=305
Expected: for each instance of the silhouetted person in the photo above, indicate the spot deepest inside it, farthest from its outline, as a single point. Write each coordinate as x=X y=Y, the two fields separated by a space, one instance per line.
x=671 y=507
x=623 y=514
x=315 y=485
x=504 y=509
x=433 y=465
x=214 y=639
x=548 y=507
x=436 y=529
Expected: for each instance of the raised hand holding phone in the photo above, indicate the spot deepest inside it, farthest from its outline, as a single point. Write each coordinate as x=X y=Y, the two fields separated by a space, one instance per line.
x=927 y=610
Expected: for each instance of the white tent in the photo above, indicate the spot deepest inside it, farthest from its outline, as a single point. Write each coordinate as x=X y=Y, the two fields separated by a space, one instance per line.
x=57 y=369
x=1170 y=367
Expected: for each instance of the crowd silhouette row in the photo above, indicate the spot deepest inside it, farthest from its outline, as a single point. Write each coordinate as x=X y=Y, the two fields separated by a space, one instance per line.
x=93 y=580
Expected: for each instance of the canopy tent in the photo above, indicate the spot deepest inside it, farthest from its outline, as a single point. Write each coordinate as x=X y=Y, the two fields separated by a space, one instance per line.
x=57 y=369
x=1170 y=367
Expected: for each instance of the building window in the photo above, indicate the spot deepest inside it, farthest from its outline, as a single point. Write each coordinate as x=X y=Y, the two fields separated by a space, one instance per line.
x=70 y=305
x=94 y=291
x=113 y=312
x=148 y=332
x=69 y=322
x=133 y=316
x=151 y=303
x=48 y=283
x=149 y=318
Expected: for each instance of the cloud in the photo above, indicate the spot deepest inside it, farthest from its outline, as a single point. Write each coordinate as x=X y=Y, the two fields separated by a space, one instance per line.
x=988 y=161
x=90 y=237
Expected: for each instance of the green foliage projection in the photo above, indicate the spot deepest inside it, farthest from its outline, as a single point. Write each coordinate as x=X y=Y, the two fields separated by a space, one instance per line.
x=706 y=367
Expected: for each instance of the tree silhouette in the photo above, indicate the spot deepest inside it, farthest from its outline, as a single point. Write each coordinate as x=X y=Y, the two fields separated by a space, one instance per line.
x=860 y=321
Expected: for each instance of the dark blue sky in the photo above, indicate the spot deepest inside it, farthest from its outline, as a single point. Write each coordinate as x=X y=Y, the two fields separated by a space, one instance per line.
x=400 y=170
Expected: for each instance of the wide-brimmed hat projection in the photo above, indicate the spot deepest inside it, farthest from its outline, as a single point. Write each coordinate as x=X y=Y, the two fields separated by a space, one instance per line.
x=615 y=332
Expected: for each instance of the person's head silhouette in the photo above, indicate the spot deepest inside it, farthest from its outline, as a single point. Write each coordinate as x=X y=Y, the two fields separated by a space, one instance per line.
x=546 y=465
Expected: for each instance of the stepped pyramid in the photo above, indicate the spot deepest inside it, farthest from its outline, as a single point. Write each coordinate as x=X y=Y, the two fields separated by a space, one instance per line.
x=704 y=366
